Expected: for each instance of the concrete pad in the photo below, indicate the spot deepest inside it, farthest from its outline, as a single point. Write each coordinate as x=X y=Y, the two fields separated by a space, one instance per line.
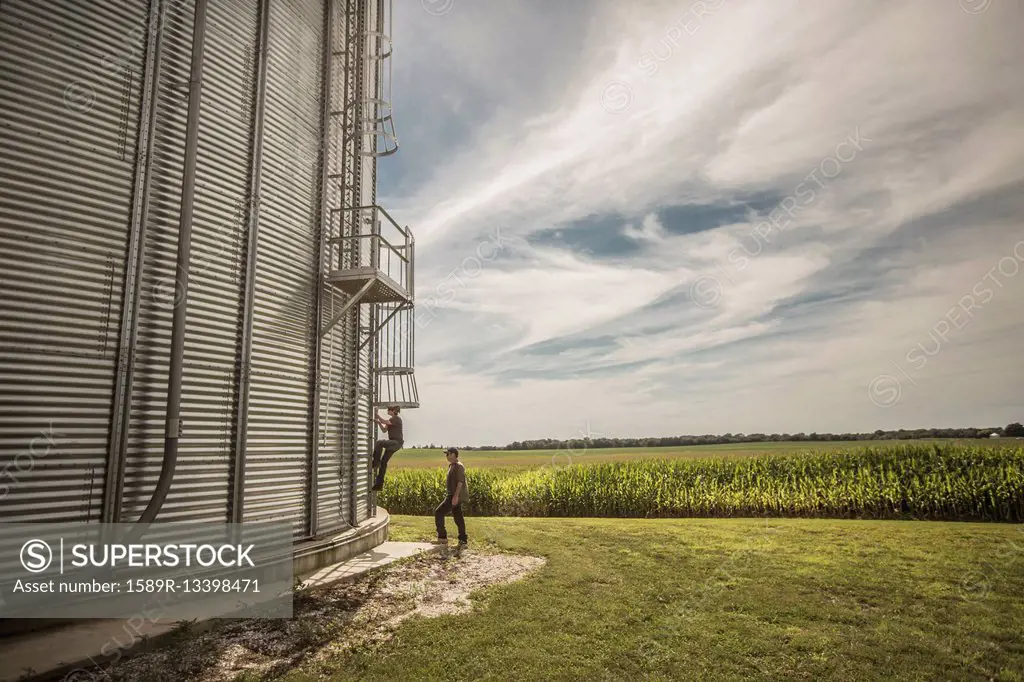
x=52 y=654
x=55 y=653
x=381 y=555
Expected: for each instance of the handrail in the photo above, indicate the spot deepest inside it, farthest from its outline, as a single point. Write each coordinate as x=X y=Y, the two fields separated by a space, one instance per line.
x=363 y=236
x=412 y=264
x=373 y=222
x=396 y=249
x=381 y=209
x=406 y=231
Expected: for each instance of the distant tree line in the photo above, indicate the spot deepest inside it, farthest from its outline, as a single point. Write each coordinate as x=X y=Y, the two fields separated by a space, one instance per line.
x=1014 y=430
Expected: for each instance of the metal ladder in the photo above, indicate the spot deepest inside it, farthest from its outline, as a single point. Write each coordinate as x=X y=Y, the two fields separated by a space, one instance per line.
x=367 y=259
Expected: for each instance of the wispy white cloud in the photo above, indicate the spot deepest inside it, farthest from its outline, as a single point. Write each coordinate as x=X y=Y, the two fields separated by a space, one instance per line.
x=904 y=119
x=562 y=293
x=650 y=230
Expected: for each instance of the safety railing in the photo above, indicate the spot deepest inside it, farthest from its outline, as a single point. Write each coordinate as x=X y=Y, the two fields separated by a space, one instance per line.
x=370 y=237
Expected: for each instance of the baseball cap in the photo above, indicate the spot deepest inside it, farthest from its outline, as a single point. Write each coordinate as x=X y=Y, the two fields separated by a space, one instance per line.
x=451 y=451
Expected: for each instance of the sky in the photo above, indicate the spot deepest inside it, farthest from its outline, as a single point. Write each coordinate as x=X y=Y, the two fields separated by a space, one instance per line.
x=662 y=218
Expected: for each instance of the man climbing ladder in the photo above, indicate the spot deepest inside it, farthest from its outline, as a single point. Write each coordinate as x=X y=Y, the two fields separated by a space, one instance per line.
x=385 y=448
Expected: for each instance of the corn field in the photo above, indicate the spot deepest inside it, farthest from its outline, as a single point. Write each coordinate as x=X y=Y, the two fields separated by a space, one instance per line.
x=935 y=482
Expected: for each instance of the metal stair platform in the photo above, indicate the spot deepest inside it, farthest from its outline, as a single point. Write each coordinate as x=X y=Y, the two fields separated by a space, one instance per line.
x=380 y=288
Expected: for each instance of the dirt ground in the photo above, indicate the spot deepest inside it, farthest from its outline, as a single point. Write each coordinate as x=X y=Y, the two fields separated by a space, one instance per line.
x=327 y=623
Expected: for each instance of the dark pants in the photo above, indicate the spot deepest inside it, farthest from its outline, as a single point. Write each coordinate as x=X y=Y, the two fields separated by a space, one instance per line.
x=380 y=463
x=460 y=521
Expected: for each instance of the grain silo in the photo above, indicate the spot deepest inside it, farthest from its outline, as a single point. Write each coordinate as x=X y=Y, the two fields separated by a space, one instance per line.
x=202 y=303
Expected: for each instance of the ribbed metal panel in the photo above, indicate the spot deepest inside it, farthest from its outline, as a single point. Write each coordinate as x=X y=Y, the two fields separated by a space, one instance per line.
x=277 y=463
x=347 y=192
x=364 y=446
x=159 y=295
x=68 y=165
x=70 y=89
x=201 y=488
x=334 y=449
x=336 y=400
x=201 y=483
x=368 y=87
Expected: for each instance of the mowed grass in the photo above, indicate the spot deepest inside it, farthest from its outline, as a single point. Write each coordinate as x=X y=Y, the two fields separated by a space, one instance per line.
x=423 y=458
x=724 y=599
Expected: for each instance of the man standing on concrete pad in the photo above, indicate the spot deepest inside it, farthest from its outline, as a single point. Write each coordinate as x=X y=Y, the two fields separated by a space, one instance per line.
x=457 y=492
x=384 y=448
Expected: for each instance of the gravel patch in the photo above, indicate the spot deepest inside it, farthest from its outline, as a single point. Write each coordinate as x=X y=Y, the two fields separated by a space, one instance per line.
x=327 y=623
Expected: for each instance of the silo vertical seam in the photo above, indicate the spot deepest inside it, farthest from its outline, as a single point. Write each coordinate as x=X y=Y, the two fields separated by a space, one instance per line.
x=172 y=424
x=351 y=200
x=135 y=258
x=361 y=67
x=376 y=82
x=253 y=219
x=325 y=150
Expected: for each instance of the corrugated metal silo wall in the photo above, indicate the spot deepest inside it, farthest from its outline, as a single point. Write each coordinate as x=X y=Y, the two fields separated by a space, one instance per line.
x=337 y=383
x=70 y=87
x=147 y=396
x=344 y=452
x=201 y=487
x=368 y=197
x=334 y=470
x=284 y=325
x=216 y=285
x=69 y=161
x=278 y=424
x=332 y=492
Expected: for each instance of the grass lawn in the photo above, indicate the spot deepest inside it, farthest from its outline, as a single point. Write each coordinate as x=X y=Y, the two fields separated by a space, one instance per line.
x=725 y=599
x=419 y=458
